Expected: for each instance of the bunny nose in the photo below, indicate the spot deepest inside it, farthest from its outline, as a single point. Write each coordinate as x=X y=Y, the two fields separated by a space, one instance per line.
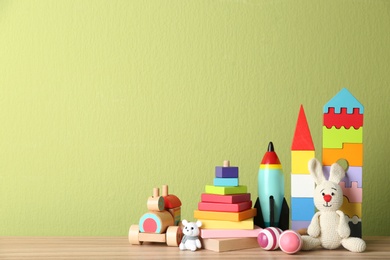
x=327 y=197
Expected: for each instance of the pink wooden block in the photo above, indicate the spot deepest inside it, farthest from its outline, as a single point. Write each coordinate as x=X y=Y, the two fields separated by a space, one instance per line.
x=224 y=207
x=354 y=194
x=236 y=198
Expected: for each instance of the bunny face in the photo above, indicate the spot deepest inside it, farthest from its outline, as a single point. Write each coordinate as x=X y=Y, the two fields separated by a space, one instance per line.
x=328 y=195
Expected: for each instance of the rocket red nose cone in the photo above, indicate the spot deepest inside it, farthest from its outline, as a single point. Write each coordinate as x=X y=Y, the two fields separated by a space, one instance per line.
x=270 y=157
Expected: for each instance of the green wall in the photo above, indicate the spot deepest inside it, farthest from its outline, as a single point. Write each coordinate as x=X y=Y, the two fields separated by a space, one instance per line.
x=103 y=100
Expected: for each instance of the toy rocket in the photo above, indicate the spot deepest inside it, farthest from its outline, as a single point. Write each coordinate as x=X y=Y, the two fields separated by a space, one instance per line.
x=272 y=209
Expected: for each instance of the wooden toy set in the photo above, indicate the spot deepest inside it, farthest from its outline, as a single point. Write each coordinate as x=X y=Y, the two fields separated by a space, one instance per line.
x=160 y=224
x=302 y=184
x=343 y=143
x=226 y=212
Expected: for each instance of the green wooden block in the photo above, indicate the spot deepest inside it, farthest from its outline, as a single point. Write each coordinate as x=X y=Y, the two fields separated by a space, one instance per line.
x=334 y=138
x=225 y=190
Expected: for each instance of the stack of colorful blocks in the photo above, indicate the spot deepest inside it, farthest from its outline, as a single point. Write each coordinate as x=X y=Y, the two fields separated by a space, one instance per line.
x=343 y=143
x=226 y=212
x=302 y=184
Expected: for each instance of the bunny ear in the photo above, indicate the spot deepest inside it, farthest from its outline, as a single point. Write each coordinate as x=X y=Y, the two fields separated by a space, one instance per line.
x=315 y=169
x=337 y=173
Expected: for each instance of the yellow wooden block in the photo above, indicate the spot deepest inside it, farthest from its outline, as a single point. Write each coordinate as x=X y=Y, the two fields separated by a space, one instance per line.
x=351 y=209
x=334 y=138
x=353 y=153
x=299 y=161
x=222 y=224
x=229 y=216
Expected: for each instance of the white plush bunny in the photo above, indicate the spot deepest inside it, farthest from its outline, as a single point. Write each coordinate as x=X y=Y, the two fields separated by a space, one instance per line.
x=329 y=227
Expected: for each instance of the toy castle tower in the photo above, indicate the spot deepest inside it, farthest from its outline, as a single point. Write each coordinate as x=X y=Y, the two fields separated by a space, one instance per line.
x=302 y=184
x=343 y=143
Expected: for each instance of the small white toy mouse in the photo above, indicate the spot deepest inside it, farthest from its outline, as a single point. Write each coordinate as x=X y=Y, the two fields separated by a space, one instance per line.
x=191 y=232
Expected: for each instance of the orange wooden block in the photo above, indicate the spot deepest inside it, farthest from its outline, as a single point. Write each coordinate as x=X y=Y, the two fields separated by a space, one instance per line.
x=227 y=216
x=353 y=153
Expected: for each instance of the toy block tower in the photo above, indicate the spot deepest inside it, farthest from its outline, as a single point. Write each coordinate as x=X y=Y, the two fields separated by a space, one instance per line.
x=226 y=212
x=302 y=184
x=226 y=204
x=343 y=143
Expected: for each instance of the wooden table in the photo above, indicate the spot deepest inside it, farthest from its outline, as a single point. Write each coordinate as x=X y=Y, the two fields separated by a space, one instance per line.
x=119 y=248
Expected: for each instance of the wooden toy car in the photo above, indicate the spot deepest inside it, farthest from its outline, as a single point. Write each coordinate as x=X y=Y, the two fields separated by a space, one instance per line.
x=161 y=223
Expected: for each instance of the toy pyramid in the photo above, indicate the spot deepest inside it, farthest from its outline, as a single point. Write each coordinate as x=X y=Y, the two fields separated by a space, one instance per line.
x=226 y=212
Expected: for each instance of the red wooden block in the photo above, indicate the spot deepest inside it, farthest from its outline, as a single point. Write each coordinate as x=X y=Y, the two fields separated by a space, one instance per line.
x=354 y=120
x=225 y=207
x=234 y=198
x=302 y=140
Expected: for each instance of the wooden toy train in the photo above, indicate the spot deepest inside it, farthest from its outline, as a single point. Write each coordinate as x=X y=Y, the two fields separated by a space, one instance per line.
x=161 y=223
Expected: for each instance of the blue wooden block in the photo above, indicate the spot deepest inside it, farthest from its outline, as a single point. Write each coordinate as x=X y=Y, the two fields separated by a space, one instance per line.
x=225 y=181
x=226 y=172
x=302 y=209
x=344 y=99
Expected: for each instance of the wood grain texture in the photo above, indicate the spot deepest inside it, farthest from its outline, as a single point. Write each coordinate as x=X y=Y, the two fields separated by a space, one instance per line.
x=118 y=248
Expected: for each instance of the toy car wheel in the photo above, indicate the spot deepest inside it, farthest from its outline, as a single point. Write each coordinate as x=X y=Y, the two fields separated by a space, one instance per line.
x=133 y=235
x=174 y=235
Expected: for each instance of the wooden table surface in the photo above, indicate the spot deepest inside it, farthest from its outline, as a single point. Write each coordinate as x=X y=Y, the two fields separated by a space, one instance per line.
x=119 y=248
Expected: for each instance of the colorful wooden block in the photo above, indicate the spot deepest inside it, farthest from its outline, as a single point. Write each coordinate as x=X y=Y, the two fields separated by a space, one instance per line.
x=228 y=216
x=221 y=190
x=334 y=138
x=351 y=209
x=226 y=182
x=226 y=171
x=353 y=153
x=354 y=193
x=299 y=161
x=303 y=208
x=229 y=244
x=344 y=99
x=302 y=186
x=230 y=233
x=343 y=119
x=353 y=174
x=224 y=207
x=302 y=140
x=235 y=198
x=225 y=224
